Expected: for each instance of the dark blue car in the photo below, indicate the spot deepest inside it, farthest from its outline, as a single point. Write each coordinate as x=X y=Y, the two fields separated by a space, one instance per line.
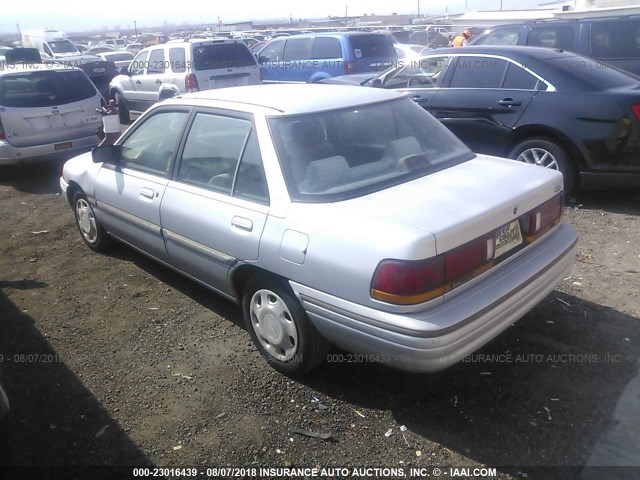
x=309 y=58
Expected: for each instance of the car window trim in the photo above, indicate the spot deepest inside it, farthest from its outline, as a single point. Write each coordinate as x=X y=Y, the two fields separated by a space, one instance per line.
x=134 y=128
x=550 y=86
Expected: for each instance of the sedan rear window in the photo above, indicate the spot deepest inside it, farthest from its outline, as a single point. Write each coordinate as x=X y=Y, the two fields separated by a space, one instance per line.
x=44 y=89
x=227 y=55
x=341 y=154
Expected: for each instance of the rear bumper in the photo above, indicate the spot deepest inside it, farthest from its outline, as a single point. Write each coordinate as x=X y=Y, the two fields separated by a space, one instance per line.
x=11 y=155
x=434 y=339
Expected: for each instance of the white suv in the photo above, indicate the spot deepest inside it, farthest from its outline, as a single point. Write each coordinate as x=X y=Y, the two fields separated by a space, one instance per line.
x=46 y=111
x=164 y=71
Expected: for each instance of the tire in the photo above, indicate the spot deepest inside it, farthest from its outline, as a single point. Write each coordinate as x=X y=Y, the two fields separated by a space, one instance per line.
x=123 y=109
x=92 y=232
x=280 y=328
x=549 y=154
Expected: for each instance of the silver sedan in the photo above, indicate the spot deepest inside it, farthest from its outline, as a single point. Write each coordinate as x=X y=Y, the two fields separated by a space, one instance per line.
x=333 y=215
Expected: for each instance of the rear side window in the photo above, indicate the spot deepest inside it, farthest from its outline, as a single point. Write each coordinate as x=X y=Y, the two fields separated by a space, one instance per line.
x=297 y=49
x=519 y=79
x=500 y=36
x=551 y=36
x=224 y=55
x=44 y=89
x=325 y=47
x=615 y=39
x=177 y=60
x=372 y=46
x=478 y=72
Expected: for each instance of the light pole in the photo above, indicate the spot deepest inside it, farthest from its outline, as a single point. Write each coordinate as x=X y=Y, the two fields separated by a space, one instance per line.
x=418 y=9
x=135 y=27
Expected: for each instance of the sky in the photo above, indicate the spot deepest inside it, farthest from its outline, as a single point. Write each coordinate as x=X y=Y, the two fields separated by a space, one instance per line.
x=83 y=15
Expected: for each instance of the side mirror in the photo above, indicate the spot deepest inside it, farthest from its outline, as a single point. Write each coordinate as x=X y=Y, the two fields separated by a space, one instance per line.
x=107 y=154
x=377 y=83
x=124 y=71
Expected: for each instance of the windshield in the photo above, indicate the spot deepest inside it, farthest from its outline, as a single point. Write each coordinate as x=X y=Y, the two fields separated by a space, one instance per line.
x=43 y=89
x=63 y=46
x=225 y=55
x=341 y=154
x=118 y=57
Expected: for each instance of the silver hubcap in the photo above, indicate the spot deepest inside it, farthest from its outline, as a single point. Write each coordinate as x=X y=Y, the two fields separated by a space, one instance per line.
x=86 y=221
x=274 y=326
x=540 y=157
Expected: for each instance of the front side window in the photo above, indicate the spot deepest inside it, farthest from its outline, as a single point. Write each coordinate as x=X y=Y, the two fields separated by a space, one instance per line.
x=221 y=154
x=156 y=62
x=518 y=78
x=151 y=146
x=340 y=154
x=272 y=52
x=423 y=73
x=139 y=63
x=478 y=72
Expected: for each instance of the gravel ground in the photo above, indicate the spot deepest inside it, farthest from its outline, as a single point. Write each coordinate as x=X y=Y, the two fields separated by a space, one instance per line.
x=114 y=360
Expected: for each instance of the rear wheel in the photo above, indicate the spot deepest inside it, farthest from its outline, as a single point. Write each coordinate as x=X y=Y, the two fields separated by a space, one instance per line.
x=549 y=154
x=280 y=328
x=123 y=109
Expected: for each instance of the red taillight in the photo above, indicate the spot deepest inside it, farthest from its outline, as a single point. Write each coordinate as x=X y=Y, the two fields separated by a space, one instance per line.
x=540 y=220
x=636 y=111
x=406 y=282
x=463 y=261
x=191 y=83
x=349 y=68
x=410 y=282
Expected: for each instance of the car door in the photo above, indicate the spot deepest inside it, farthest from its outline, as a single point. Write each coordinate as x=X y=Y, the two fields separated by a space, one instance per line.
x=129 y=192
x=297 y=68
x=131 y=84
x=482 y=99
x=270 y=59
x=214 y=210
x=419 y=79
x=152 y=80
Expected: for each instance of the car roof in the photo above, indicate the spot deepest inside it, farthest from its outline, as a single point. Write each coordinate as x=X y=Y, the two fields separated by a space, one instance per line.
x=33 y=67
x=296 y=99
x=328 y=34
x=515 y=51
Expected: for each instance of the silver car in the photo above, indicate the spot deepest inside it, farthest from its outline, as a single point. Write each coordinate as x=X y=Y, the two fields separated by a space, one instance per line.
x=46 y=111
x=333 y=215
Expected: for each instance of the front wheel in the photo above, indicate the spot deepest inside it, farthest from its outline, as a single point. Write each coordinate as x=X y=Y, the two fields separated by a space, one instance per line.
x=280 y=328
x=123 y=109
x=92 y=232
x=549 y=154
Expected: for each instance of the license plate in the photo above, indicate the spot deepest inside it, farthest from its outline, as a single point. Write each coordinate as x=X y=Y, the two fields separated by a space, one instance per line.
x=62 y=146
x=508 y=237
x=99 y=70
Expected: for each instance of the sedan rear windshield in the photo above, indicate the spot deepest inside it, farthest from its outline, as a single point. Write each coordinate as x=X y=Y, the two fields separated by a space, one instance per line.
x=595 y=74
x=44 y=89
x=226 y=55
x=372 y=46
x=341 y=154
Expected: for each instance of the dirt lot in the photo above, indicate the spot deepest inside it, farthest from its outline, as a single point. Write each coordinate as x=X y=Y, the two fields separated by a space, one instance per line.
x=114 y=360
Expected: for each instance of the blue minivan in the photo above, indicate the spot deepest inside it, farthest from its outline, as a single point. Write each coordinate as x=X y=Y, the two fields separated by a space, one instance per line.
x=309 y=58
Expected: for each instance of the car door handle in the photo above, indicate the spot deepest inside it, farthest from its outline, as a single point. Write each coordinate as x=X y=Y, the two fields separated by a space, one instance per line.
x=509 y=102
x=158 y=82
x=242 y=223
x=138 y=82
x=417 y=98
x=147 y=193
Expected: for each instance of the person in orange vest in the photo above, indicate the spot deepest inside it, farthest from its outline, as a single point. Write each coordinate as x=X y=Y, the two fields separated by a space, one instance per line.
x=462 y=40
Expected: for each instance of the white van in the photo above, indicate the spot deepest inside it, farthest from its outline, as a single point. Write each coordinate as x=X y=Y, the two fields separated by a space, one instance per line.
x=50 y=42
